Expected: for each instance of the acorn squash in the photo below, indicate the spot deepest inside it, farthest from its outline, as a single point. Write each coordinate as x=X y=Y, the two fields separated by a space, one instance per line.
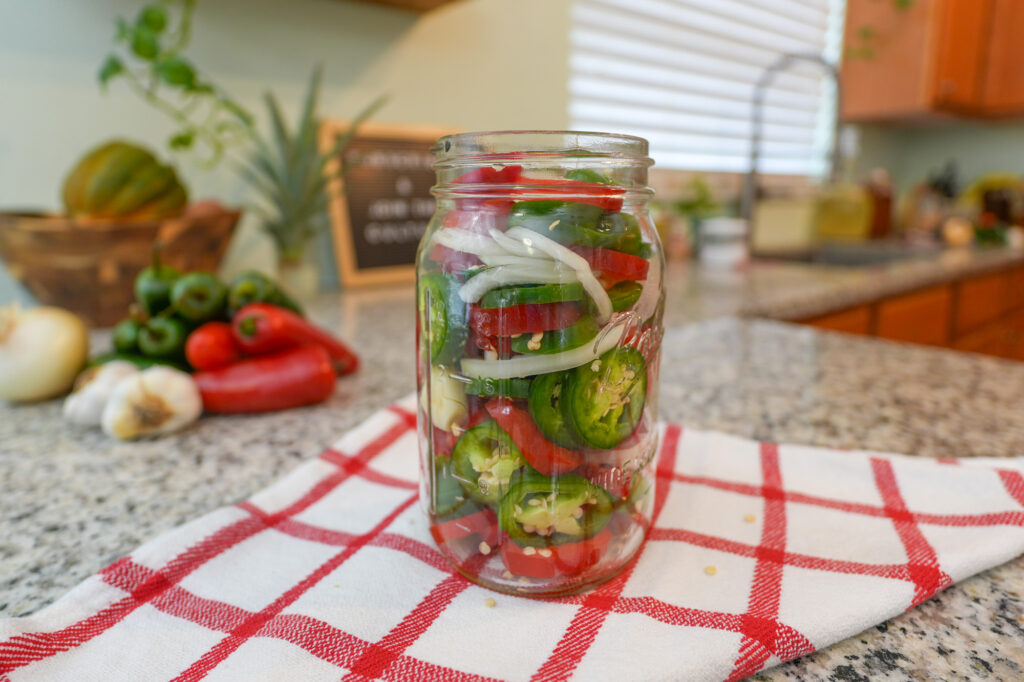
x=122 y=180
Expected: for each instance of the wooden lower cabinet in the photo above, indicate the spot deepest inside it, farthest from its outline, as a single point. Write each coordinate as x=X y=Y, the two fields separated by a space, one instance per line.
x=982 y=314
x=852 y=321
x=920 y=317
x=992 y=339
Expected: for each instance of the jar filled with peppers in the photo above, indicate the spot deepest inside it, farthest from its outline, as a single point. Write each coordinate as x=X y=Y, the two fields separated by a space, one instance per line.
x=540 y=297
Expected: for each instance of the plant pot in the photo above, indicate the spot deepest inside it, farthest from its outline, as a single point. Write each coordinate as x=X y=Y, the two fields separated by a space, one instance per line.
x=89 y=266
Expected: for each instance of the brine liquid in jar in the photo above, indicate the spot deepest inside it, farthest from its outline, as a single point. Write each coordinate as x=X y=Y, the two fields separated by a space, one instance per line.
x=539 y=305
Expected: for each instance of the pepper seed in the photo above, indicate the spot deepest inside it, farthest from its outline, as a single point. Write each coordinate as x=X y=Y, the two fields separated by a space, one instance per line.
x=485 y=548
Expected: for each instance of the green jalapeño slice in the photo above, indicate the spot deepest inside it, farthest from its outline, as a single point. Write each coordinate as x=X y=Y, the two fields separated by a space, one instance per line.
x=546 y=396
x=442 y=317
x=538 y=511
x=605 y=398
x=484 y=460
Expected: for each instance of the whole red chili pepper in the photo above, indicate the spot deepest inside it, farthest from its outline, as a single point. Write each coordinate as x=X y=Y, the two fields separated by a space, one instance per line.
x=263 y=328
x=211 y=346
x=278 y=381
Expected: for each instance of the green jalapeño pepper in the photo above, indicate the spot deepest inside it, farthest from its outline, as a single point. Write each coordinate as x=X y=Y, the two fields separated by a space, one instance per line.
x=547 y=411
x=558 y=340
x=564 y=221
x=199 y=297
x=255 y=287
x=484 y=460
x=624 y=295
x=605 y=398
x=619 y=232
x=487 y=387
x=126 y=336
x=536 y=293
x=575 y=223
x=588 y=175
x=163 y=337
x=538 y=511
x=153 y=285
x=442 y=316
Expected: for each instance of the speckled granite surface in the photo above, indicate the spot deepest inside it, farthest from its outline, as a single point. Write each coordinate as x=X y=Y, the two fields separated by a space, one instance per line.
x=71 y=501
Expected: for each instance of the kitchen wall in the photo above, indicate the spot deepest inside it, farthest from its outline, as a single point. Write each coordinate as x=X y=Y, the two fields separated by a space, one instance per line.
x=910 y=153
x=440 y=68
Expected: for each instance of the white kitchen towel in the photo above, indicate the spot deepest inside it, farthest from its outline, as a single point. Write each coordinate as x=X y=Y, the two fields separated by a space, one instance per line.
x=759 y=553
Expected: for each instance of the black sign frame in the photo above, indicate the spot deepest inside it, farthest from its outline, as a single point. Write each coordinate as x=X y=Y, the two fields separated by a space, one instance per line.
x=381 y=206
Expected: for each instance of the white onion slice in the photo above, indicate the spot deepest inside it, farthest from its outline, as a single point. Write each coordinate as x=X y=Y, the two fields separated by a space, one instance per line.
x=574 y=261
x=509 y=259
x=528 y=365
x=468 y=242
x=544 y=272
x=516 y=246
x=648 y=301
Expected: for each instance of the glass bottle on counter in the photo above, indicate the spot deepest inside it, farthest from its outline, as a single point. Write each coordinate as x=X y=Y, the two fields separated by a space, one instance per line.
x=540 y=297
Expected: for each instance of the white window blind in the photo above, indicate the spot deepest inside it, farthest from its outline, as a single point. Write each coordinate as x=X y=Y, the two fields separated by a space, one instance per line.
x=681 y=73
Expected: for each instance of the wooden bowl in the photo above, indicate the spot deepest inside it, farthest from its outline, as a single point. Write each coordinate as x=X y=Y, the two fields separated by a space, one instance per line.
x=89 y=266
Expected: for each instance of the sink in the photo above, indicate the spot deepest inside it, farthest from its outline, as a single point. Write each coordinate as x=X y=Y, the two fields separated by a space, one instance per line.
x=852 y=255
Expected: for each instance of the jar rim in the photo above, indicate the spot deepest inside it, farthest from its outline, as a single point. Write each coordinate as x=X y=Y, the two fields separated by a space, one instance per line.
x=505 y=144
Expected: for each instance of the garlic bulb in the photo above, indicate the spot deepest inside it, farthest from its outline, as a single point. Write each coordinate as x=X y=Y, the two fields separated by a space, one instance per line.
x=157 y=400
x=92 y=391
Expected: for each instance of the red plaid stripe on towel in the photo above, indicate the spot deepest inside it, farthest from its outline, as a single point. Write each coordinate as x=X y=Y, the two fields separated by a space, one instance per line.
x=759 y=553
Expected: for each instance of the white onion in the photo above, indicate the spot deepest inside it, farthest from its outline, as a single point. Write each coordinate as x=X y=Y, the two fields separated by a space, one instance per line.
x=574 y=261
x=516 y=246
x=528 y=365
x=648 y=301
x=468 y=242
x=544 y=272
x=41 y=352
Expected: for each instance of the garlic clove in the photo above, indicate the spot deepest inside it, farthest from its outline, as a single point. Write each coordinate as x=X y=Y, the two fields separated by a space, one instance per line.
x=92 y=391
x=156 y=401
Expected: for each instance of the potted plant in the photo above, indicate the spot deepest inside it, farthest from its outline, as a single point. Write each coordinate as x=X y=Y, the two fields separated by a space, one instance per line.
x=286 y=169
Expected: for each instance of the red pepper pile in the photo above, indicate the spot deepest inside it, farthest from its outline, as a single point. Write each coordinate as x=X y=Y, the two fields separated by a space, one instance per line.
x=267 y=358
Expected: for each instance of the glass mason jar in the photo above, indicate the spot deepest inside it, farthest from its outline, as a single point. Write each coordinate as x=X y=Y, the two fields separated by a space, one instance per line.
x=540 y=298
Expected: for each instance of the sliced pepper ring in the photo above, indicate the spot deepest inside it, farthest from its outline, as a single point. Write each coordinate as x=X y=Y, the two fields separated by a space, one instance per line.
x=484 y=460
x=605 y=399
x=538 y=511
x=546 y=409
x=442 y=317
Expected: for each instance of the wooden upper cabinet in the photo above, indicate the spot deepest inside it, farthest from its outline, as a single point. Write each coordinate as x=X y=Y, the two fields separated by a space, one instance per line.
x=1004 y=78
x=938 y=57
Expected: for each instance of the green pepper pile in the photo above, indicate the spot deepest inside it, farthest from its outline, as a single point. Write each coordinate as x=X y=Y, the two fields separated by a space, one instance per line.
x=538 y=463
x=170 y=305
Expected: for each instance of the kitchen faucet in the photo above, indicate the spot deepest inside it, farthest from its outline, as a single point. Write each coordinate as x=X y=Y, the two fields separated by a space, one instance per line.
x=781 y=64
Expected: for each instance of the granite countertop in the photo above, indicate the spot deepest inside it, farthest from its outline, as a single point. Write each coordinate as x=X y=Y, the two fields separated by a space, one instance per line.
x=73 y=501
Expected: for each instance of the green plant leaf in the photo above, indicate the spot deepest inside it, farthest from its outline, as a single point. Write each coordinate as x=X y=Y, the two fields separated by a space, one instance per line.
x=145 y=43
x=124 y=31
x=279 y=128
x=236 y=110
x=181 y=141
x=153 y=17
x=175 y=71
x=112 y=66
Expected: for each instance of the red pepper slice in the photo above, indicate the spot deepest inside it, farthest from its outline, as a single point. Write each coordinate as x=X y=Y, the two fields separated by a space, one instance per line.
x=490 y=175
x=612 y=267
x=543 y=455
x=528 y=318
x=564 y=560
x=483 y=523
x=211 y=346
x=289 y=378
x=603 y=196
x=261 y=328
